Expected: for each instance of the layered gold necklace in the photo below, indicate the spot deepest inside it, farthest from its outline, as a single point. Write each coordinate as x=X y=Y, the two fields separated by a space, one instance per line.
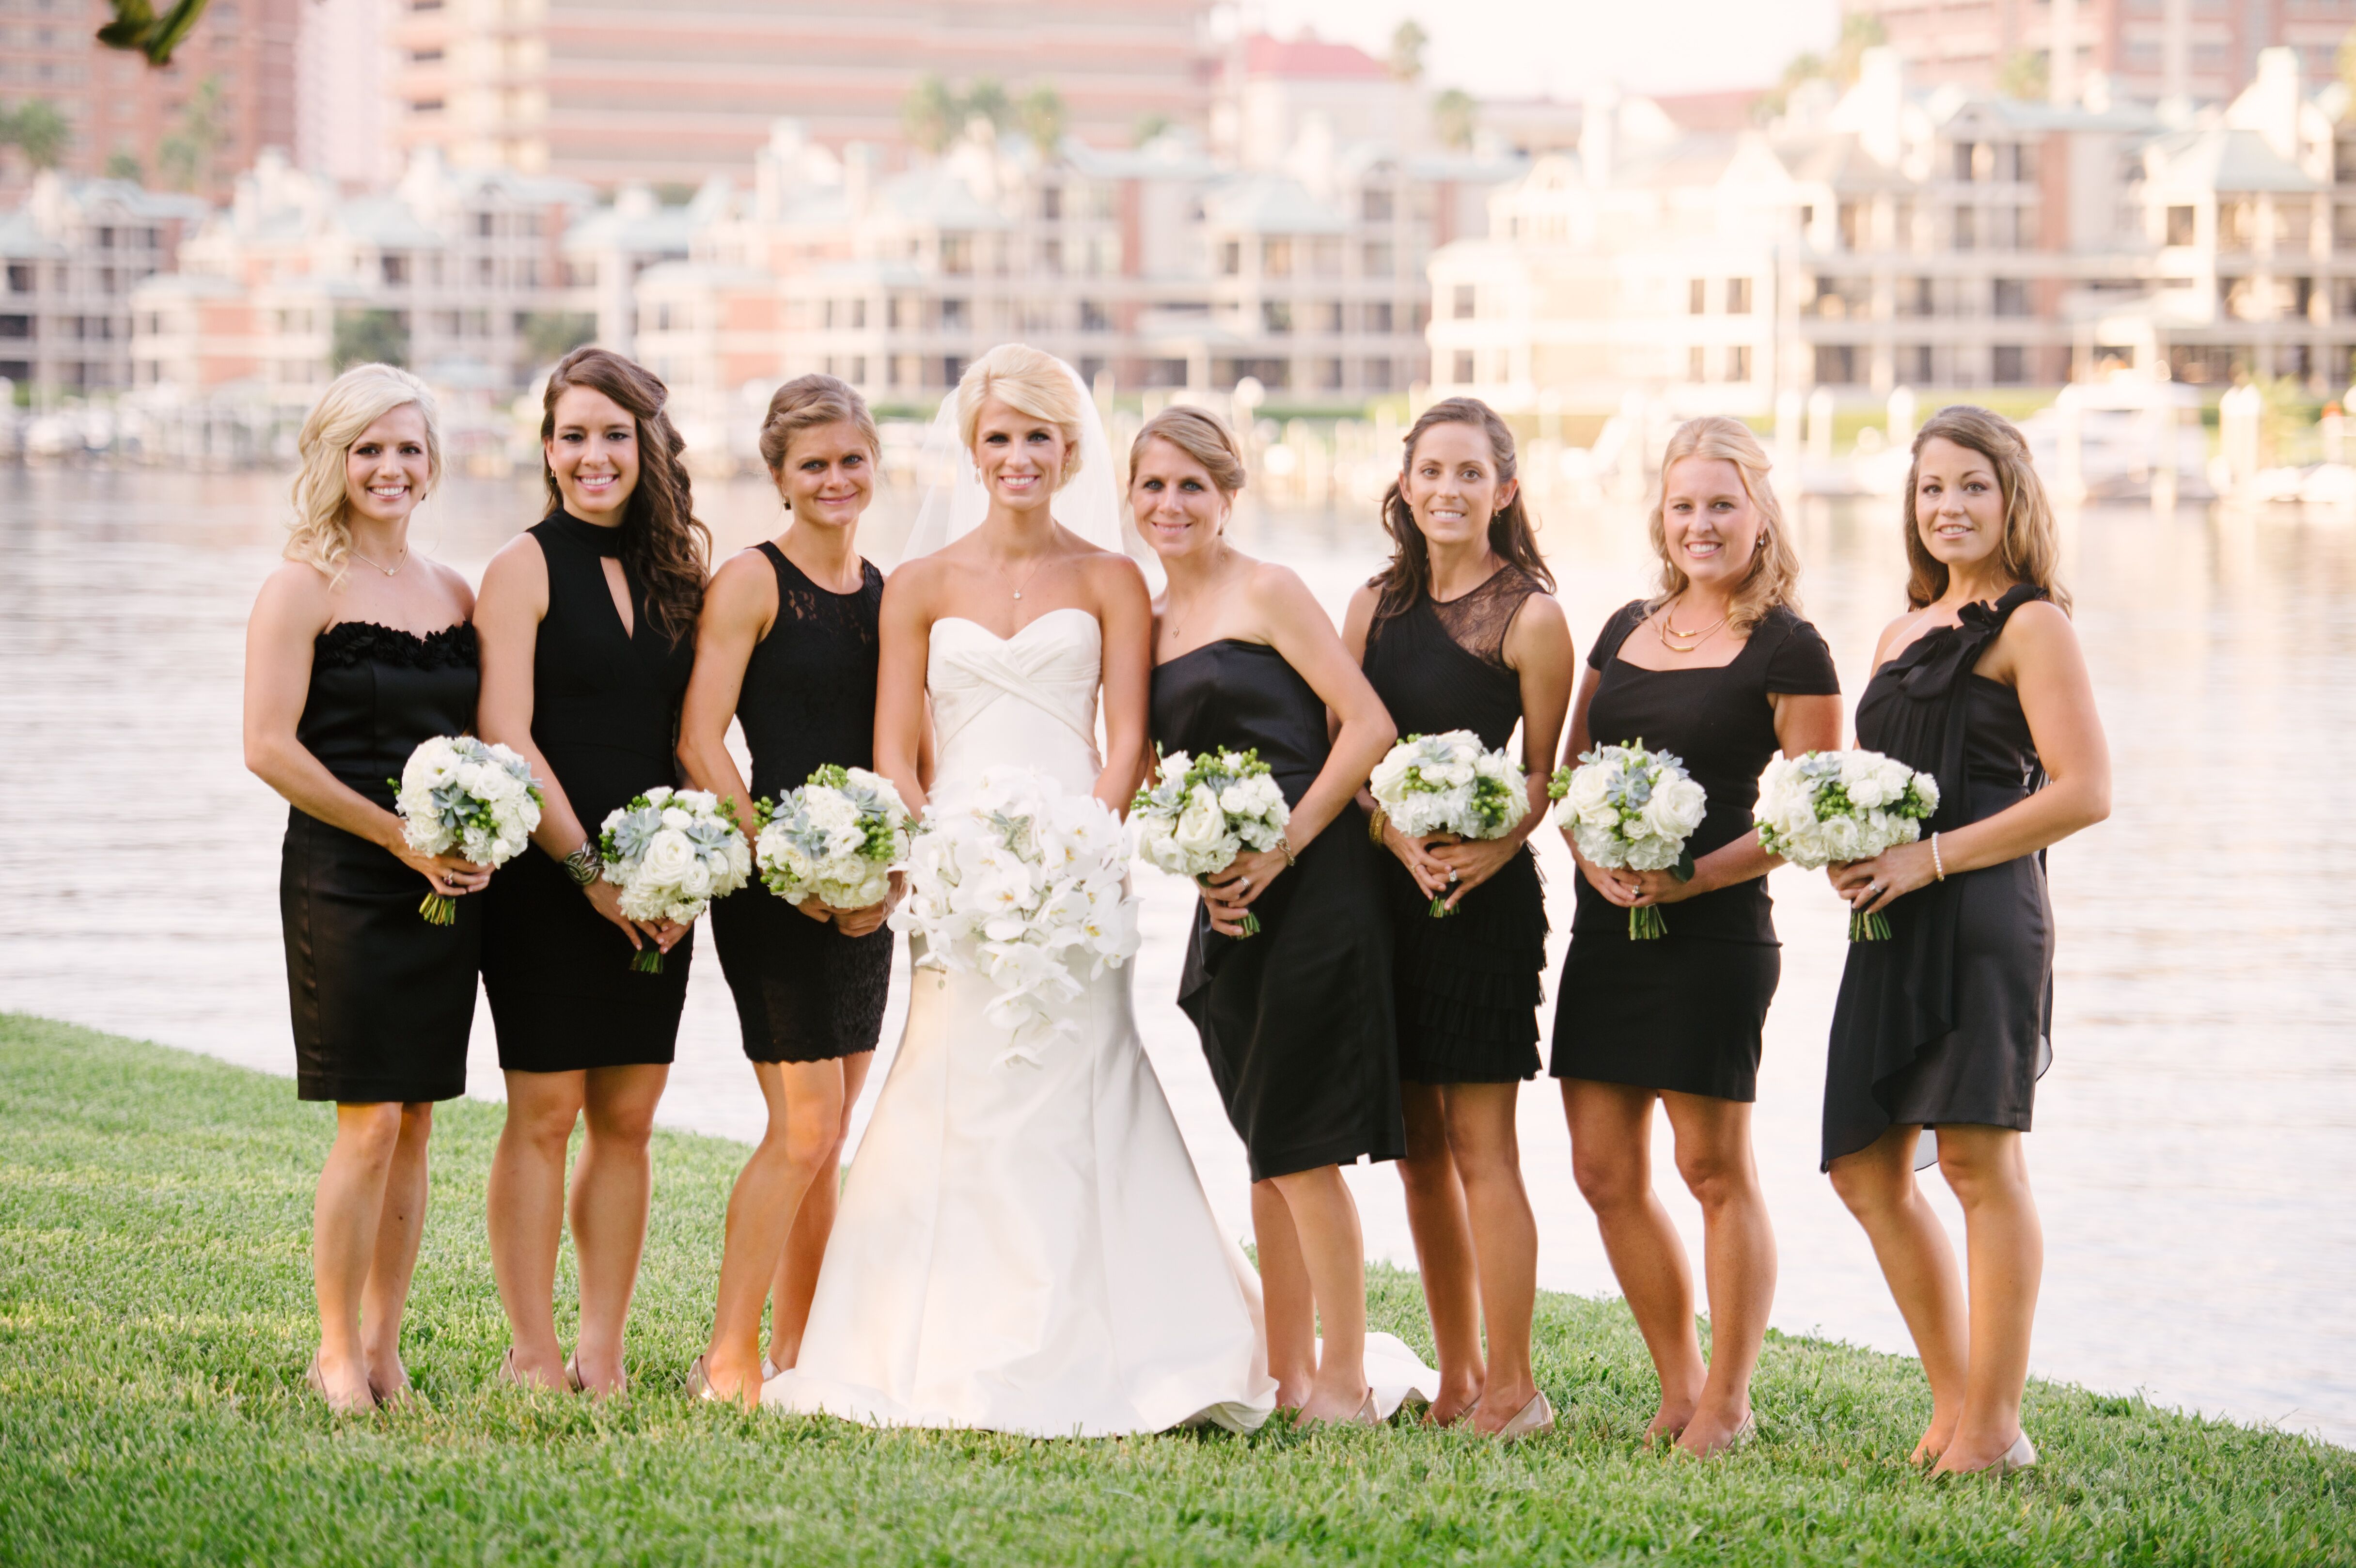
x=1679 y=642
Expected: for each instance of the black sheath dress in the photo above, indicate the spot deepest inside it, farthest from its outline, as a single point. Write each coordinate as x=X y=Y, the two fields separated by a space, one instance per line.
x=1467 y=986
x=382 y=1000
x=1949 y=1018
x=1296 y=1021
x=804 y=991
x=604 y=714
x=1682 y=1012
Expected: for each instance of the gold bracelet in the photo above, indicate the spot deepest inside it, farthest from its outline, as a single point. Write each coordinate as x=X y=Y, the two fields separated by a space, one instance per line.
x=1284 y=847
x=1938 y=866
x=1375 y=827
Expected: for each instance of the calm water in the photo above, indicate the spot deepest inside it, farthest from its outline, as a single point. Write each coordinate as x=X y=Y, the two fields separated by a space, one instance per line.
x=2193 y=1152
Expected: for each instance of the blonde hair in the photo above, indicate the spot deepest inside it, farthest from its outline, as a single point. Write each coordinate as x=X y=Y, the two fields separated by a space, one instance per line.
x=1030 y=381
x=807 y=402
x=2031 y=549
x=1774 y=579
x=319 y=536
x=1198 y=433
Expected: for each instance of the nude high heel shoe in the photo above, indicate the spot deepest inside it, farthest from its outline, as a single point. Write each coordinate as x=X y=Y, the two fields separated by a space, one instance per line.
x=2021 y=1455
x=1532 y=1419
x=1364 y=1415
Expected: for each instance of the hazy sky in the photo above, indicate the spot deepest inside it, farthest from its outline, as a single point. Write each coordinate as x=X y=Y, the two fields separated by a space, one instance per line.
x=1529 y=46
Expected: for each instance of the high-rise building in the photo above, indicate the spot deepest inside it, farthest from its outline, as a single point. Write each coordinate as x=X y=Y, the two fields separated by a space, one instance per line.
x=342 y=96
x=163 y=126
x=2203 y=51
x=617 y=91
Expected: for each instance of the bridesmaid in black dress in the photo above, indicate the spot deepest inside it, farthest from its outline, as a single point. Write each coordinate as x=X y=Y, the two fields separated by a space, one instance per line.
x=1461 y=633
x=1944 y=1024
x=588 y=630
x=358 y=650
x=1719 y=670
x=1296 y=1020
x=787 y=647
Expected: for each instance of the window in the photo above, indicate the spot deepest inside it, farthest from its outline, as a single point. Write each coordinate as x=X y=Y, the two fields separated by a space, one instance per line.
x=1966 y=228
x=1964 y=161
x=1913 y=364
x=1094 y=318
x=1051 y=203
x=1376 y=263
x=484 y=269
x=2180 y=224
x=1851 y=217
x=394 y=265
x=1697 y=363
x=1231 y=257
x=1376 y=377
x=2009 y=365
x=1276 y=315
x=426 y=106
x=1463 y=367
x=1737 y=362
x=957 y=254
x=482 y=226
x=1378 y=315
x=1276 y=258
x=1737 y=297
x=1375 y=203
x=1912 y=297
x=1329 y=375
x=2012 y=296
x=953 y=317
x=1697 y=299
x=15 y=326
x=859 y=323
x=1836 y=364
x=426 y=56
x=1462 y=299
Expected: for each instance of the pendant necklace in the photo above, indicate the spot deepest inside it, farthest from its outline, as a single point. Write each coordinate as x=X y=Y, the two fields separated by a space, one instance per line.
x=388 y=570
x=1666 y=630
x=1027 y=577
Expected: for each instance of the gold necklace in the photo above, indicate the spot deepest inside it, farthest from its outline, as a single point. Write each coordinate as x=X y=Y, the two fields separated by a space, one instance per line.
x=1663 y=630
x=388 y=570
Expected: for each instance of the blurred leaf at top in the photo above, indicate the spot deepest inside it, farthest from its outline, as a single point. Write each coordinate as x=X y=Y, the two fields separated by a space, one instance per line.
x=136 y=26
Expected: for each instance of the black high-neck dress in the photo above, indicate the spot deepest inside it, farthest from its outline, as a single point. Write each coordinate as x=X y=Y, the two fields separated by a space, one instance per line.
x=604 y=714
x=1684 y=1012
x=382 y=1000
x=1468 y=986
x=805 y=992
x=1949 y=1019
x=1296 y=1021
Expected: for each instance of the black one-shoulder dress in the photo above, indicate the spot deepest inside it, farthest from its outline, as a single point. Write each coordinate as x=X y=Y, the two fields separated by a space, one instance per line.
x=1950 y=1018
x=805 y=992
x=605 y=716
x=1296 y=1021
x=1468 y=986
x=1684 y=1012
x=382 y=1000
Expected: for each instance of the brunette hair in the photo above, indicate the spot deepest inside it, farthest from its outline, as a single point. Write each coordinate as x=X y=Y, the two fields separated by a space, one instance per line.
x=1030 y=381
x=807 y=402
x=1198 y=433
x=1774 y=575
x=2030 y=548
x=663 y=541
x=320 y=535
x=1511 y=535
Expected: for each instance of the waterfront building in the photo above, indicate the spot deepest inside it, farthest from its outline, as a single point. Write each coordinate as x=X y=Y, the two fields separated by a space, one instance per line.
x=1898 y=235
x=70 y=258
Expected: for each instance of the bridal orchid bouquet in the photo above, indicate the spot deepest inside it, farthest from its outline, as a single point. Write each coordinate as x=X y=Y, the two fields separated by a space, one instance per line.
x=672 y=852
x=1450 y=782
x=1023 y=884
x=1204 y=810
x=1629 y=808
x=836 y=838
x=1828 y=808
x=461 y=796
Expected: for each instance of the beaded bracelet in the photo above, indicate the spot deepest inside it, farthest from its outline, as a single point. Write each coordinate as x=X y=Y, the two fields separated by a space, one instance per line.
x=1938 y=866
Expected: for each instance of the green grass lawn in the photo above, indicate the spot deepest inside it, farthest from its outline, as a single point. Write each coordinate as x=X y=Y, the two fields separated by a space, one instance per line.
x=156 y=1318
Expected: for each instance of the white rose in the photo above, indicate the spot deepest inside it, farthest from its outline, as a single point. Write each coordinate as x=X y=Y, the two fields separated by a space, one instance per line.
x=1202 y=824
x=695 y=881
x=1675 y=809
x=668 y=857
x=1844 y=838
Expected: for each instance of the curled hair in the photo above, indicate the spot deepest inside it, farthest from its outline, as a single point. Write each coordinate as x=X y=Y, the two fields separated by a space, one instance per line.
x=320 y=534
x=1030 y=381
x=1198 y=433
x=663 y=541
x=2030 y=548
x=1511 y=535
x=1774 y=576
x=805 y=403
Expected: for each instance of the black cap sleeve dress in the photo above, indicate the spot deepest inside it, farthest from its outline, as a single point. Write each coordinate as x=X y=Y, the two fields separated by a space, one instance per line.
x=1296 y=1021
x=382 y=1000
x=605 y=716
x=1684 y=1012
x=805 y=992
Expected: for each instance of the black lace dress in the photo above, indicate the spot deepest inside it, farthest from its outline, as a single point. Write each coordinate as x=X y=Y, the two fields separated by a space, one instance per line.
x=1296 y=1021
x=1949 y=1019
x=382 y=1000
x=605 y=716
x=805 y=992
x=1467 y=986
x=1684 y=1012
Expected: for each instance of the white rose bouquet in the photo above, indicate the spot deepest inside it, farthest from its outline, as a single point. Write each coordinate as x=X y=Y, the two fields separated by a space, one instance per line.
x=1828 y=808
x=835 y=840
x=672 y=852
x=1204 y=810
x=1450 y=784
x=1626 y=807
x=1021 y=884
x=458 y=795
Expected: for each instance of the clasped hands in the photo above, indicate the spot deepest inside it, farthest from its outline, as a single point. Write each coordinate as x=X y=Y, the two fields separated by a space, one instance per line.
x=1868 y=887
x=1446 y=867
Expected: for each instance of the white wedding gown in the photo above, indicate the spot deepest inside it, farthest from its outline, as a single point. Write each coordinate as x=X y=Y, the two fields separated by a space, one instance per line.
x=1026 y=1248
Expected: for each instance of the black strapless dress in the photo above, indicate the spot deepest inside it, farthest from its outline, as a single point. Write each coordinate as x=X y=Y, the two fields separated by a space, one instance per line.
x=1950 y=1018
x=1297 y=1021
x=1684 y=1012
x=804 y=991
x=1468 y=986
x=382 y=1001
x=605 y=715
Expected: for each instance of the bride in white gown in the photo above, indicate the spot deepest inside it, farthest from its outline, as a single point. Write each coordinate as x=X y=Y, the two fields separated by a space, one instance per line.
x=1024 y=1248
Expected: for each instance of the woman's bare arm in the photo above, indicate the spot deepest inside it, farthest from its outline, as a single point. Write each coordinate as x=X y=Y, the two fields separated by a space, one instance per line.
x=1125 y=611
x=905 y=631
x=738 y=609
x=1360 y=726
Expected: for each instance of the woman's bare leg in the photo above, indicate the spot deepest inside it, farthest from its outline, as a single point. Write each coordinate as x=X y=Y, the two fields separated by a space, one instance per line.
x=1612 y=1159
x=1488 y=1154
x=527 y=1214
x=347 y=1212
x=805 y=1100
x=1437 y=1219
x=1333 y=1255
x=1739 y=1247
x=1877 y=1184
x=1287 y=1302
x=1989 y=1169
x=797 y=1278
x=401 y=1228
x=612 y=1183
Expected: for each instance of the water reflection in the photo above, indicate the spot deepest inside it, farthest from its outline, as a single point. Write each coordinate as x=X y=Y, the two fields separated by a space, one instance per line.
x=2193 y=1139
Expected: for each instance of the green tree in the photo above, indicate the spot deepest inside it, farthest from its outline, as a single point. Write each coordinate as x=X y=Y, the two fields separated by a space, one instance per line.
x=2026 y=75
x=1453 y=114
x=184 y=158
x=551 y=335
x=929 y=114
x=365 y=337
x=1859 y=32
x=122 y=165
x=35 y=129
x=1041 y=115
x=987 y=99
x=1407 y=43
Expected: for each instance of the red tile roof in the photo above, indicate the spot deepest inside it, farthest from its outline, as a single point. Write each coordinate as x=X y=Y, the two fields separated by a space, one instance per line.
x=1309 y=57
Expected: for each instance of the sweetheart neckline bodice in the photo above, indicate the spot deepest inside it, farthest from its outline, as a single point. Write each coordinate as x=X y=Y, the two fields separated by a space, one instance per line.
x=1022 y=630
